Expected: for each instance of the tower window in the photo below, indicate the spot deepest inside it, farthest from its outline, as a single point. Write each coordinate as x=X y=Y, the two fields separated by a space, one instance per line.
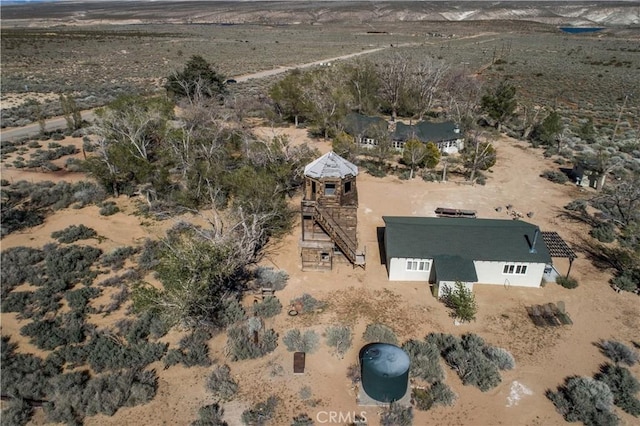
x=347 y=187
x=329 y=189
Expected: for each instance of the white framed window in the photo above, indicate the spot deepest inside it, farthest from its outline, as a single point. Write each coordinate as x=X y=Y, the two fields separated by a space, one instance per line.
x=418 y=265
x=329 y=189
x=514 y=269
x=398 y=145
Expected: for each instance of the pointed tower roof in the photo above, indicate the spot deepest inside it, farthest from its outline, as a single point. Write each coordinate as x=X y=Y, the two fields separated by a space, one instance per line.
x=330 y=165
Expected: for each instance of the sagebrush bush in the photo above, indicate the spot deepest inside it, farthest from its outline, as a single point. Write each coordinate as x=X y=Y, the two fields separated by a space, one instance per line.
x=116 y=258
x=270 y=278
x=221 y=384
x=339 y=338
x=74 y=233
x=618 y=352
x=210 y=415
x=584 y=399
x=567 y=282
x=65 y=329
x=232 y=312
x=605 y=232
x=626 y=281
x=396 y=415
x=308 y=303
x=623 y=385
x=425 y=360
x=302 y=419
x=379 y=333
x=79 y=299
x=555 y=176
x=193 y=349
x=18 y=412
x=577 y=206
x=502 y=358
x=242 y=343
x=261 y=413
x=269 y=307
x=108 y=208
x=103 y=352
x=296 y=341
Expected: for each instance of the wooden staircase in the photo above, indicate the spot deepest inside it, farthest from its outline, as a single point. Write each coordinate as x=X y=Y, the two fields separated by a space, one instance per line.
x=337 y=234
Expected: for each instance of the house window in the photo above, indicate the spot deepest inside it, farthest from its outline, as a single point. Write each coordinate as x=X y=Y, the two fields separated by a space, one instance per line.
x=417 y=265
x=513 y=268
x=329 y=189
x=347 y=187
x=398 y=144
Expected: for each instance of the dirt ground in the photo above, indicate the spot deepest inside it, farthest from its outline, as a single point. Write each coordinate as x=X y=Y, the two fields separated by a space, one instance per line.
x=544 y=357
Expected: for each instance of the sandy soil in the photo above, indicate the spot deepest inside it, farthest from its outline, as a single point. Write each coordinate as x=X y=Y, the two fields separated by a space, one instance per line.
x=357 y=297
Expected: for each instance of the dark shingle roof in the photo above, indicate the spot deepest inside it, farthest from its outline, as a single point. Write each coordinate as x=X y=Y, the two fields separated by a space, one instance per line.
x=426 y=131
x=455 y=268
x=472 y=239
x=362 y=125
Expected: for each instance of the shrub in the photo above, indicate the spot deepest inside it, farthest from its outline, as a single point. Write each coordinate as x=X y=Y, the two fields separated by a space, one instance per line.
x=623 y=386
x=210 y=415
x=193 y=349
x=270 y=278
x=302 y=419
x=339 y=338
x=500 y=357
x=605 y=232
x=396 y=415
x=79 y=299
x=584 y=399
x=150 y=254
x=103 y=352
x=626 y=281
x=577 y=206
x=117 y=257
x=379 y=333
x=442 y=394
x=221 y=384
x=17 y=413
x=261 y=413
x=242 y=342
x=462 y=301
x=108 y=208
x=618 y=352
x=74 y=233
x=268 y=308
x=18 y=266
x=63 y=330
x=555 y=176
x=232 y=312
x=295 y=341
x=425 y=360
x=308 y=303
x=567 y=282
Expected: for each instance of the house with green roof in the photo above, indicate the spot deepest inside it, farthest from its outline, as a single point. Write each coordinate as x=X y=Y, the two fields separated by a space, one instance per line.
x=441 y=251
x=366 y=131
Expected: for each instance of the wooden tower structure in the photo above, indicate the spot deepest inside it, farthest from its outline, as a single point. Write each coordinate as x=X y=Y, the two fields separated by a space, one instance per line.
x=330 y=214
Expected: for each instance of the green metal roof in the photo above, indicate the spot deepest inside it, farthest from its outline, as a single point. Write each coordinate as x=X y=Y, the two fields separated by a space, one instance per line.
x=466 y=238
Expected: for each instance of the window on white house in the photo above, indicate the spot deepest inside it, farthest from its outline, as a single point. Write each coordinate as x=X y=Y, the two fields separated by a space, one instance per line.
x=398 y=144
x=418 y=265
x=514 y=268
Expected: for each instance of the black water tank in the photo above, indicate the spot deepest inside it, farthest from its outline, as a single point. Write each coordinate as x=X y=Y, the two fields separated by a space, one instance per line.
x=385 y=371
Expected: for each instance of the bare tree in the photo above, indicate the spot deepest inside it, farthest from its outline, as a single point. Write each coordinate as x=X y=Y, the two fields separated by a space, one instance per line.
x=327 y=100
x=426 y=79
x=478 y=154
x=462 y=94
x=394 y=75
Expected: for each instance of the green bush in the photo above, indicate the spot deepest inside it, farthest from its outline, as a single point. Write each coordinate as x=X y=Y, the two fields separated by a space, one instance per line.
x=584 y=399
x=461 y=300
x=79 y=299
x=63 y=330
x=74 y=233
x=425 y=360
x=618 y=352
x=108 y=208
x=623 y=386
x=210 y=415
x=626 y=281
x=396 y=415
x=438 y=394
x=261 y=413
x=221 y=384
x=308 y=303
x=232 y=312
x=577 y=206
x=567 y=282
x=500 y=357
x=103 y=352
x=302 y=419
x=242 y=344
x=555 y=176
x=339 y=338
x=268 y=308
x=193 y=349
x=270 y=278
x=116 y=258
x=605 y=232
x=379 y=333
x=295 y=341
x=18 y=412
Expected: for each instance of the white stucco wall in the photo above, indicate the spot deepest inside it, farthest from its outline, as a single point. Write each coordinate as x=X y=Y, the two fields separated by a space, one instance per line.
x=492 y=273
x=398 y=270
x=452 y=285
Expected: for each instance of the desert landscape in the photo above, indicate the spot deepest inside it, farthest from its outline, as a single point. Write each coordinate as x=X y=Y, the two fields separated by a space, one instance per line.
x=352 y=297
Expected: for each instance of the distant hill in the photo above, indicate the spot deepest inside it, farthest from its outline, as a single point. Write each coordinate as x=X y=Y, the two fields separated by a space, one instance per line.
x=578 y=13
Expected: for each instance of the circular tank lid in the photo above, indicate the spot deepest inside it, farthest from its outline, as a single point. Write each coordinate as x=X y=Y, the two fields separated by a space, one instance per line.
x=388 y=360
